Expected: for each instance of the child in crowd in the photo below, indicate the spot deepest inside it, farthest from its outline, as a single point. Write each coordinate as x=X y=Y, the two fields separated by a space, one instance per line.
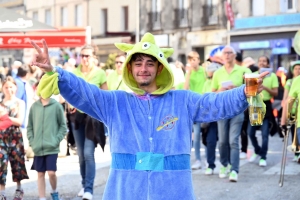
x=11 y=142
x=46 y=129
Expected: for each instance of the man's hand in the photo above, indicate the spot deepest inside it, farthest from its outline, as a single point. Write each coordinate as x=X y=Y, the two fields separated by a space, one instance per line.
x=42 y=58
x=283 y=130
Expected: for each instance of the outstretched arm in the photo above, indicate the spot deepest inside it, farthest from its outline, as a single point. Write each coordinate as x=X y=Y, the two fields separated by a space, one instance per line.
x=82 y=95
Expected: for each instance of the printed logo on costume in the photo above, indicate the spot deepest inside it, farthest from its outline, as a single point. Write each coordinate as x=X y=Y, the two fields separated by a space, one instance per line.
x=167 y=123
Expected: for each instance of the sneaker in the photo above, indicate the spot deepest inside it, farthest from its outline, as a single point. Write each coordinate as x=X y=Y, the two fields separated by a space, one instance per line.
x=233 y=177
x=87 y=196
x=2 y=197
x=262 y=163
x=209 y=171
x=253 y=158
x=55 y=196
x=19 y=195
x=197 y=165
x=223 y=172
x=243 y=155
x=81 y=192
x=295 y=159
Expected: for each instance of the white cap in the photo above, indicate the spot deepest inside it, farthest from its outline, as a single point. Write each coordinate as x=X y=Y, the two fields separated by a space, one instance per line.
x=17 y=63
x=212 y=67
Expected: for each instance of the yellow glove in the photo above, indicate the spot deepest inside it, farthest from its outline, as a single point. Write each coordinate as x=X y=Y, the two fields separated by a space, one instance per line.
x=48 y=86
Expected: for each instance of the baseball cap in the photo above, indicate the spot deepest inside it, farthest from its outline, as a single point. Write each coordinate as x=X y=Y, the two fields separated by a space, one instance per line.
x=212 y=67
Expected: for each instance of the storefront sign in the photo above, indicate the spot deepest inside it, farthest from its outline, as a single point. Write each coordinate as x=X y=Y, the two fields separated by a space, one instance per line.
x=268 y=21
x=18 y=42
x=254 y=45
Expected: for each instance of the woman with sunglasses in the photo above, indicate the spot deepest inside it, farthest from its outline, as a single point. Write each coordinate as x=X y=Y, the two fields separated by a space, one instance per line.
x=87 y=131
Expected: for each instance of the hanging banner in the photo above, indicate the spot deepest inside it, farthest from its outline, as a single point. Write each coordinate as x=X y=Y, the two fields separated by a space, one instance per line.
x=229 y=13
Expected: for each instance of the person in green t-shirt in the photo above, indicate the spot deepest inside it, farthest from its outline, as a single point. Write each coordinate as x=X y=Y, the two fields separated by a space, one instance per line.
x=114 y=79
x=270 y=86
x=87 y=130
x=210 y=136
x=293 y=73
x=194 y=81
x=229 y=76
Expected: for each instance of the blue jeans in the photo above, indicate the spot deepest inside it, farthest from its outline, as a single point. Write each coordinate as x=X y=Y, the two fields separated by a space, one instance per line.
x=229 y=131
x=298 y=134
x=85 y=152
x=197 y=139
x=211 y=143
x=263 y=149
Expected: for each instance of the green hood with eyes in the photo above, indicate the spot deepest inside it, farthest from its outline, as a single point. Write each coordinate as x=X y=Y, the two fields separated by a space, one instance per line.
x=164 y=80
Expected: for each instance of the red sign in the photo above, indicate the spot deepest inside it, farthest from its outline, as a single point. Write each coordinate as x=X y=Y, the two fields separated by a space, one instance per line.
x=229 y=13
x=18 y=42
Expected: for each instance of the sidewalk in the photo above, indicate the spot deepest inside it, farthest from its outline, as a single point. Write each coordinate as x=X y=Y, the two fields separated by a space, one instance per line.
x=68 y=176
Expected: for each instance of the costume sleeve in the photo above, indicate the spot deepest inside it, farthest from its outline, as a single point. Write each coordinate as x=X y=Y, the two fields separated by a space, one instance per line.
x=61 y=120
x=5 y=122
x=211 y=107
x=84 y=96
x=30 y=134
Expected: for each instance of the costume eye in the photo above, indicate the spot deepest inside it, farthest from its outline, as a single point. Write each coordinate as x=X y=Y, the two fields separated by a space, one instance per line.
x=161 y=55
x=146 y=45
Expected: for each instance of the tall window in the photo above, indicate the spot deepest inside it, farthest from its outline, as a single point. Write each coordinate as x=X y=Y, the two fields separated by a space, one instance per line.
x=156 y=8
x=125 y=18
x=64 y=16
x=48 y=17
x=104 y=20
x=291 y=5
x=35 y=15
x=78 y=15
x=258 y=7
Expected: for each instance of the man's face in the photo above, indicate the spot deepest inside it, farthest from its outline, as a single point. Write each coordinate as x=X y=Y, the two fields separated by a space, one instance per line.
x=228 y=55
x=144 y=70
x=194 y=62
x=119 y=64
x=87 y=57
x=263 y=62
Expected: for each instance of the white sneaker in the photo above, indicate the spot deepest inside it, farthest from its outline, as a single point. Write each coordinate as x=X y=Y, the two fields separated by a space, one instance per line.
x=233 y=177
x=223 y=172
x=295 y=159
x=262 y=163
x=253 y=158
x=243 y=155
x=209 y=171
x=197 y=165
x=81 y=192
x=87 y=196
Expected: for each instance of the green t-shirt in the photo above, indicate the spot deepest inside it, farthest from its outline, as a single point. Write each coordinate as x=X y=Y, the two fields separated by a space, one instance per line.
x=207 y=86
x=269 y=82
x=197 y=79
x=96 y=76
x=236 y=76
x=288 y=84
x=115 y=82
x=295 y=92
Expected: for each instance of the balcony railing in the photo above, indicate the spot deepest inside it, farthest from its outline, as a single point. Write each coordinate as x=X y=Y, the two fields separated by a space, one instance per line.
x=154 y=21
x=210 y=15
x=181 y=18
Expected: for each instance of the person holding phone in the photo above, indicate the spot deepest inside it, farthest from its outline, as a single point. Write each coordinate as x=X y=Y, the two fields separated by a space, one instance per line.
x=229 y=76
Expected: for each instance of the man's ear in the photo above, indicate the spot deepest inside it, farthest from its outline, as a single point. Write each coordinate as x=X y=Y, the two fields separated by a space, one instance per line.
x=129 y=68
x=160 y=68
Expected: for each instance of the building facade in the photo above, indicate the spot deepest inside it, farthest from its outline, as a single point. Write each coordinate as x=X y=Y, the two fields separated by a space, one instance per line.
x=266 y=27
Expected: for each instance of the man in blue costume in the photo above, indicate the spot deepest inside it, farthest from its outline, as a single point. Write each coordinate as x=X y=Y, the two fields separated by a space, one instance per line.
x=150 y=129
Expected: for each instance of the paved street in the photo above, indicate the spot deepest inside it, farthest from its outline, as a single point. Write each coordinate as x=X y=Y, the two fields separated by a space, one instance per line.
x=254 y=182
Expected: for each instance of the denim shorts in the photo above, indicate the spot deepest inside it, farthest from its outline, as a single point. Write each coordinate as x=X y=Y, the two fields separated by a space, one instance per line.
x=44 y=163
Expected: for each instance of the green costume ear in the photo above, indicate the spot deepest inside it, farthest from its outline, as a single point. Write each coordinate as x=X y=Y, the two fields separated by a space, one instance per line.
x=167 y=51
x=124 y=47
x=48 y=85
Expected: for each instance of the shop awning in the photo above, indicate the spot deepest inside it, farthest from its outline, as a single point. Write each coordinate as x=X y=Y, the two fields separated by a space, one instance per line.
x=11 y=21
x=58 y=38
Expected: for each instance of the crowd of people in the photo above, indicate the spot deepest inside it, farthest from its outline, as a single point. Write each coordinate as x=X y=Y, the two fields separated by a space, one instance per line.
x=32 y=120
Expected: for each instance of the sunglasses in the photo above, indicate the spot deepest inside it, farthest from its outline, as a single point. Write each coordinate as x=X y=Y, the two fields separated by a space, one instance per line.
x=85 y=56
x=118 y=62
